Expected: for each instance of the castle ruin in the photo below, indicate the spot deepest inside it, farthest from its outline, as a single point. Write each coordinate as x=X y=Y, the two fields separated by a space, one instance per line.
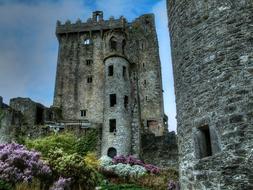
x=109 y=74
x=109 y=78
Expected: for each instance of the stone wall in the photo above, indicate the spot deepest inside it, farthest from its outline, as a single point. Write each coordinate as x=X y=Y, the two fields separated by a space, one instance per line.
x=143 y=50
x=33 y=112
x=160 y=150
x=10 y=124
x=120 y=137
x=83 y=41
x=212 y=57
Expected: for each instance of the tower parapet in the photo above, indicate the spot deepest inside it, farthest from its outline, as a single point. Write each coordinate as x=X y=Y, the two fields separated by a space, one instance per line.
x=96 y=23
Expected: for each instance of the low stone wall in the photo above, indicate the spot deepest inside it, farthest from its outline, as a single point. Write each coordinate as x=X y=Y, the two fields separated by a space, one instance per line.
x=10 y=124
x=161 y=151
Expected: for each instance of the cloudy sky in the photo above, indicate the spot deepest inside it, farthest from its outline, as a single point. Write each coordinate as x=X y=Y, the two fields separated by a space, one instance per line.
x=28 y=46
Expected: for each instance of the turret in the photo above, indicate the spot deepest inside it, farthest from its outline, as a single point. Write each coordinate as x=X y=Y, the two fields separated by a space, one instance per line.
x=117 y=120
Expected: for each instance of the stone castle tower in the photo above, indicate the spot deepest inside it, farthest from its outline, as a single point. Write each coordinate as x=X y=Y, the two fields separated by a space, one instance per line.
x=212 y=49
x=109 y=75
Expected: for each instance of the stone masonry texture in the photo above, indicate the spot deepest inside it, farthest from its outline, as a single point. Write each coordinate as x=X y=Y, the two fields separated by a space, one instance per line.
x=84 y=85
x=212 y=54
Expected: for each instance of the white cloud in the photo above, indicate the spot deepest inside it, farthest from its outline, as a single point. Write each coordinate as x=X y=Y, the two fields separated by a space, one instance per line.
x=29 y=47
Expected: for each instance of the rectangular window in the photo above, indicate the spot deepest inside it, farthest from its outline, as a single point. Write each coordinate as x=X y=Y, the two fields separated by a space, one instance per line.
x=83 y=113
x=110 y=70
x=124 y=71
x=145 y=83
x=112 y=123
x=88 y=62
x=126 y=102
x=89 y=79
x=203 y=142
x=113 y=100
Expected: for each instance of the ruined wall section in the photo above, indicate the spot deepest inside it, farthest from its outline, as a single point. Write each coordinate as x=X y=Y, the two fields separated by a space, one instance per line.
x=161 y=151
x=212 y=56
x=10 y=124
x=34 y=113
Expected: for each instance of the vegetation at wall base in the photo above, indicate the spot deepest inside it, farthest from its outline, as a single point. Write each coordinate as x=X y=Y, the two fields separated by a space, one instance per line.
x=70 y=164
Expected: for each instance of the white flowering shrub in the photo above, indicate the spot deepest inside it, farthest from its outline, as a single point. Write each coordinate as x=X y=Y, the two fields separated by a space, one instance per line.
x=120 y=169
x=105 y=161
x=137 y=171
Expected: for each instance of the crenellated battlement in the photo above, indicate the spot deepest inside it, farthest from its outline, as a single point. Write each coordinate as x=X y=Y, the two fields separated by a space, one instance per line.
x=96 y=23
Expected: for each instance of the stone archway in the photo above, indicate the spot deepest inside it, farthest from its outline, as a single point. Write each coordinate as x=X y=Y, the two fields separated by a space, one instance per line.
x=111 y=152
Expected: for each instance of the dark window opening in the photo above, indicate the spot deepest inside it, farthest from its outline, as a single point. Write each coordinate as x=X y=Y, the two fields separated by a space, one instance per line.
x=112 y=124
x=143 y=65
x=126 y=102
x=83 y=113
x=151 y=123
x=124 y=71
x=204 y=142
x=87 y=41
x=146 y=98
x=39 y=115
x=110 y=70
x=112 y=152
x=113 y=44
x=88 y=62
x=89 y=79
x=113 y=100
x=50 y=116
x=145 y=83
x=142 y=46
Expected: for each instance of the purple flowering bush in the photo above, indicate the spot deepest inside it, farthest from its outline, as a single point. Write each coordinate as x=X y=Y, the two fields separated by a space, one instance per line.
x=171 y=185
x=17 y=164
x=61 y=184
x=134 y=161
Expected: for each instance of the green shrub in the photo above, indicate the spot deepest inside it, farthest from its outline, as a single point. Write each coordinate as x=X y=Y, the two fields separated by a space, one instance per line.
x=67 y=142
x=156 y=182
x=72 y=166
x=91 y=161
x=87 y=143
x=5 y=186
x=64 y=141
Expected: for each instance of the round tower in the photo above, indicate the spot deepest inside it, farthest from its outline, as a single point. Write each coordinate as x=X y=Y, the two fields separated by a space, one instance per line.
x=212 y=53
x=116 y=139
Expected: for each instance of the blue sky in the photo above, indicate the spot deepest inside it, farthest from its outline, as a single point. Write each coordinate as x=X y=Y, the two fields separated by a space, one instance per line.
x=28 y=48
